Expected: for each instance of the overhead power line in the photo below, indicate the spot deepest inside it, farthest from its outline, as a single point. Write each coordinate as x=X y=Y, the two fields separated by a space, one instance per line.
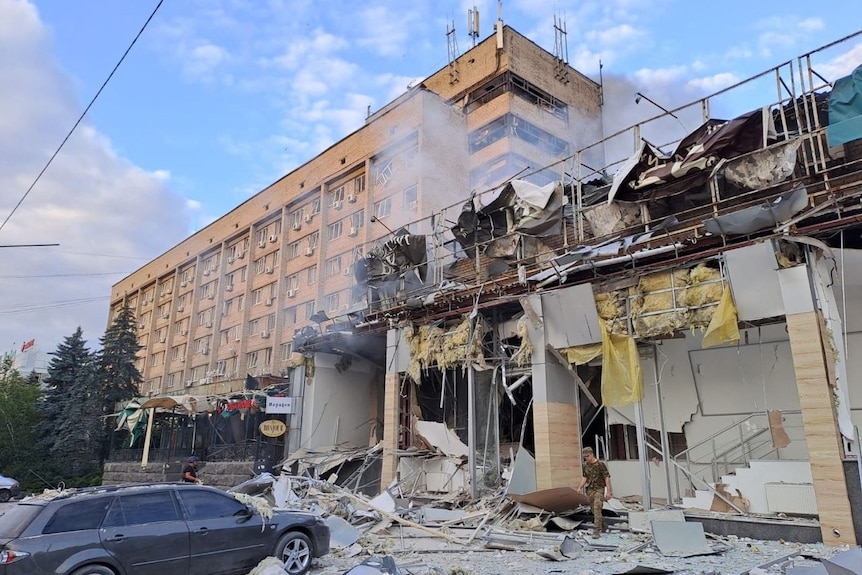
x=81 y=117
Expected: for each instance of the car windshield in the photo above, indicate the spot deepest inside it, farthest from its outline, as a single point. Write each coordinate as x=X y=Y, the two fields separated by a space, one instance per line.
x=17 y=518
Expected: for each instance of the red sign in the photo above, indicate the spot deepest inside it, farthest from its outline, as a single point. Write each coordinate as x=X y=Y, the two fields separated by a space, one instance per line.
x=241 y=404
x=28 y=345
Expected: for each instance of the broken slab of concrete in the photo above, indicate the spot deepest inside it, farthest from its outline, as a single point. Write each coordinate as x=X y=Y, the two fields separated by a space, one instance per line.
x=680 y=539
x=641 y=521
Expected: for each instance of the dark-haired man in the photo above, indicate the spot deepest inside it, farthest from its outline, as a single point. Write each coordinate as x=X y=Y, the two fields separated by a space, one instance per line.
x=597 y=480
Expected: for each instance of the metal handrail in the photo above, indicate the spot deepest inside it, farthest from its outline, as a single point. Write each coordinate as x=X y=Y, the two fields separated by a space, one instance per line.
x=702 y=442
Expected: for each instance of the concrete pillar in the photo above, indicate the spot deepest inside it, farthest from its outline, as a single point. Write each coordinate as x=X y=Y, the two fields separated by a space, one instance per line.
x=812 y=361
x=556 y=421
x=390 y=429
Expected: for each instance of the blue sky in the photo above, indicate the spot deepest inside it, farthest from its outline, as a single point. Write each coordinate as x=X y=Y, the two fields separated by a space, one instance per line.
x=220 y=98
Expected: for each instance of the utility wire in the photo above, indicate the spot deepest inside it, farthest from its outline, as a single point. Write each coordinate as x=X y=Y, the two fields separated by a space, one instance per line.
x=80 y=118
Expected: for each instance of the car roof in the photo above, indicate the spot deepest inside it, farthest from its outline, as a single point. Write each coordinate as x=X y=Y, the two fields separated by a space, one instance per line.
x=81 y=492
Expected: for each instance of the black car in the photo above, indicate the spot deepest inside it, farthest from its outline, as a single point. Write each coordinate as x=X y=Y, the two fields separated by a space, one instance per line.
x=153 y=529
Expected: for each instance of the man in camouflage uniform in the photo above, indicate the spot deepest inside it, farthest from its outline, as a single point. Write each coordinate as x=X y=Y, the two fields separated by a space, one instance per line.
x=597 y=480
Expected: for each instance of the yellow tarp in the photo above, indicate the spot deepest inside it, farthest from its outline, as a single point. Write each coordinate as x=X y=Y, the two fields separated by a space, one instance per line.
x=722 y=328
x=583 y=354
x=622 y=380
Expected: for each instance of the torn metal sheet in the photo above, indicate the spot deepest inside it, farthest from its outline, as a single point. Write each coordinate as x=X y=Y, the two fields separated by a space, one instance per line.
x=762 y=168
x=570 y=548
x=754 y=218
x=641 y=521
x=441 y=437
x=376 y=566
x=341 y=533
x=523 y=478
x=556 y=500
x=435 y=515
x=796 y=290
x=816 y=569
x=680 y=539
x=754 y=281
x=570 y=316
x=629 y=569
x=693 y=157
x=846 y=563
x=565 y=523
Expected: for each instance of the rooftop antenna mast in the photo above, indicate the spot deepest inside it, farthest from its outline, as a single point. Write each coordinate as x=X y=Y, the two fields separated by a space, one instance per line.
x=452 y=47
x=561 y=49
x=473 y=24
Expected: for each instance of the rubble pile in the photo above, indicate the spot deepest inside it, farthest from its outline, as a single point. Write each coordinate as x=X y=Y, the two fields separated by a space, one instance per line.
x=398 y=532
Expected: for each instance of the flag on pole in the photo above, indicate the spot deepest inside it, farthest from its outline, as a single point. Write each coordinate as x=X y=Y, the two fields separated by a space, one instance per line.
x=27 y=345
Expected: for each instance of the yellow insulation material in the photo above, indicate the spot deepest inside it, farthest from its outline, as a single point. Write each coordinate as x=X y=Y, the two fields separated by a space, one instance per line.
x=433 y=346
x=524 y=355
x=723 y=328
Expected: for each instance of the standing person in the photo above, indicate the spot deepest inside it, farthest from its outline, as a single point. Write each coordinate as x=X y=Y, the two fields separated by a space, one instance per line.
x=597 y=480
x=190 y=471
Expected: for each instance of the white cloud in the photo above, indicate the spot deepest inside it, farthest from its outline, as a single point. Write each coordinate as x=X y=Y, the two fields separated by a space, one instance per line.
x=841 y=65
x=710 y=84
x=652 y=76
x=89 y=200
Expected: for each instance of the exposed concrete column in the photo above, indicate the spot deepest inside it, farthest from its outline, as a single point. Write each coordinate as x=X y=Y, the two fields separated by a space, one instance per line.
x=390 y=429
x=397 y=360
x=556 y=423
x=811 y=364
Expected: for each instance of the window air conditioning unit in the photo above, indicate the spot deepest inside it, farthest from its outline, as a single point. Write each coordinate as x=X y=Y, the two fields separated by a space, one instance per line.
x=184 y=284
x=181 y=308
x=261 y=244
x=230 y=259
x=309 y=252
x=211 y=295
x=308 y=218
x=336 y=205
x=351 y=198
x=206 y=272
x=228 y=287
x=264 y=334
x=268 y=270
x=184 y=332
x=190 y=382
x=291 y=293
x=346 y=271
x=162 y=339
x=209 y=324
x=141 y=325
x=240 y=255
x=205 y=351
x=273 y=238
x=353 y=231
x=297 y=226
x=268 y=302
x=182 y=360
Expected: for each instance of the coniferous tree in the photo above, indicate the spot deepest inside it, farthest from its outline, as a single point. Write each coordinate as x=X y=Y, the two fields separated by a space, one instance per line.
x=120 y=379
x=18 y=416
x=71 y=430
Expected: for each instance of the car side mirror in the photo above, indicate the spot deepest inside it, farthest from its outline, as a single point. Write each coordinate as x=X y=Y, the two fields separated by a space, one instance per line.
x=244 y=515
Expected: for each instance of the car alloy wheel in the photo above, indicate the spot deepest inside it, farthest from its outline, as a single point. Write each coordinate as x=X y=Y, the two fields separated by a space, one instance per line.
x=294 y=550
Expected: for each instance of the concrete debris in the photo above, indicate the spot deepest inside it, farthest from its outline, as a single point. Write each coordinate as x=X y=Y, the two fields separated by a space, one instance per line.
x=387 y=534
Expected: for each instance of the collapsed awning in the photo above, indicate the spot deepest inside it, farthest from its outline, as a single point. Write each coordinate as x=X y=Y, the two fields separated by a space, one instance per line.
x=188 y=403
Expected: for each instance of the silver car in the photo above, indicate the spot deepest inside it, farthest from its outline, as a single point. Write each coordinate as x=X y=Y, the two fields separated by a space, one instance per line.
x=8 y=489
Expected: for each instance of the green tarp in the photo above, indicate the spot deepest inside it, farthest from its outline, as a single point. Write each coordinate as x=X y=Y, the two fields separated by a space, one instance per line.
x=845 y=109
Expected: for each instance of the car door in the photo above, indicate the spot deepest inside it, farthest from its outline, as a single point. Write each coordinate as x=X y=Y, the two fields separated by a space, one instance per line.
x=147 y=534
x=224 y=538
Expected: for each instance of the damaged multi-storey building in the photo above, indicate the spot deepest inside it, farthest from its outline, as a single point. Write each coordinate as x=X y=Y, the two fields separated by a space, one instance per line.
x=478 y=272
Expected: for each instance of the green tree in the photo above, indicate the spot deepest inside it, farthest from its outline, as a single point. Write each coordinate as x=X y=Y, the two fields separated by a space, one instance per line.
x=18 y=417
x=120 y=379
x=72 y=429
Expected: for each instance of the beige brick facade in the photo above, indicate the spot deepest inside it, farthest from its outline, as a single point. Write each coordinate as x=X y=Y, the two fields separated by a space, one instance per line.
x=227 y=300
